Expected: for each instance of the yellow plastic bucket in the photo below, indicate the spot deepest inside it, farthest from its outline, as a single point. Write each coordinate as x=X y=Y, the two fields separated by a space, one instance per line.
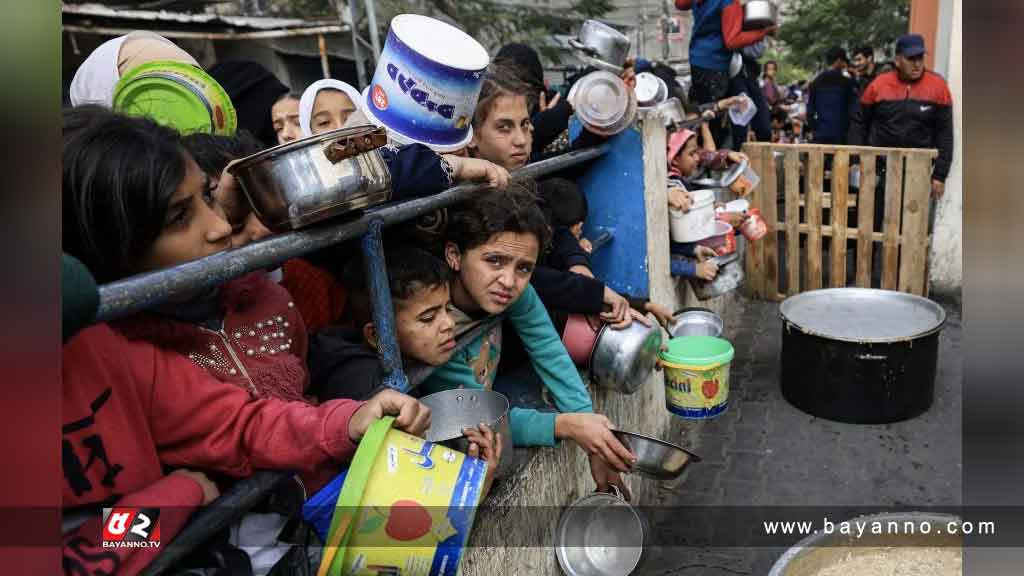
x=696 y=371
x=407 y=507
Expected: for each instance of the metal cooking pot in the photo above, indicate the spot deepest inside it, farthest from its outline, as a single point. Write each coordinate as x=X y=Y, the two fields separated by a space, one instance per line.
x=308 y=180
x=451 y=411
x=696 y=322
x=603 y=103
x=758 y=14
x=602 y=46
x=672 y=112
x=819 y=551
x=622 y=359
x=656 y=459
x=600 y=535
x=860 y=355
x=650 y=90
x=730 y=274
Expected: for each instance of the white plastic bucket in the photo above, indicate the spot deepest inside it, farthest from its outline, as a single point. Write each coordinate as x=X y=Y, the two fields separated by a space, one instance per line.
x=427 y=82
x=698 y=223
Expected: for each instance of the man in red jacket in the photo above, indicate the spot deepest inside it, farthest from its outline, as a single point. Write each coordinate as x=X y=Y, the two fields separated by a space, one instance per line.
x=132 y=410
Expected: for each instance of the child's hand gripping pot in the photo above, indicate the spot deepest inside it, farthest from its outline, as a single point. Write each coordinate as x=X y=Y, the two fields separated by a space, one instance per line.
x=485 y=443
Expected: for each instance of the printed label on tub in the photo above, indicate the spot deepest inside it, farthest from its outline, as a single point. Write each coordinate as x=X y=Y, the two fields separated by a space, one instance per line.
x=696 y=393
x=417 y=510
x=420 y=98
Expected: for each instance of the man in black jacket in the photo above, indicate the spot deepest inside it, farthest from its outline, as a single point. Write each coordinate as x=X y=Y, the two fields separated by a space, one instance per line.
x=832 y=96
x=908 y=107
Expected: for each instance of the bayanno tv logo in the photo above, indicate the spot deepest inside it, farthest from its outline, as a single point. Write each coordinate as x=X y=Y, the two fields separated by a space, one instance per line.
x=131 y=528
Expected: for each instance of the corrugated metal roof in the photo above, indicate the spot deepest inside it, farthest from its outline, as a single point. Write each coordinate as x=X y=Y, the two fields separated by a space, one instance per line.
x=251 y=22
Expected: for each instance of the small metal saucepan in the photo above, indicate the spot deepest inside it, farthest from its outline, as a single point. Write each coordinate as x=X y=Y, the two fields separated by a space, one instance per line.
x=452 y=411
x=759 y=14
x=602 y=46
x=622 y=359
x=730 y=274
x=600 y=535
x=655 y=458
x=696 y=322
x=309 y=180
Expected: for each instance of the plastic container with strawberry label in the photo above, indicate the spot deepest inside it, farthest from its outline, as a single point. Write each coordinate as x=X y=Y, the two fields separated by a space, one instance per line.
x=696 y=371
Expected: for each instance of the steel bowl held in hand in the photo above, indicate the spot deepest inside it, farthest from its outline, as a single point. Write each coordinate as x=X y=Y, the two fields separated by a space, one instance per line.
x=309 y=180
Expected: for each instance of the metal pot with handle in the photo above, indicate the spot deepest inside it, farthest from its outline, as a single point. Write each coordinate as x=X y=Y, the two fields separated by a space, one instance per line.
x=758 y=14
x=309 y=180
x=601 y=534
x=454 y=410
x=730 y=274
x=602 y=46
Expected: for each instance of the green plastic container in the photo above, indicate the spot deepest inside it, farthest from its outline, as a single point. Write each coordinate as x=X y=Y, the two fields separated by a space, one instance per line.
x=177 y=95
x=696 y=372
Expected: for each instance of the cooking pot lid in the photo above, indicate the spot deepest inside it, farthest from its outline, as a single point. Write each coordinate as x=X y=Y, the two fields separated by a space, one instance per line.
x=177 y=95
x=862 y=314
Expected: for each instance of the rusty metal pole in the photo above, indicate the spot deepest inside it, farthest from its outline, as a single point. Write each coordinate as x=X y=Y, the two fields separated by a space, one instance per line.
x=357 y=50
x=324 y=64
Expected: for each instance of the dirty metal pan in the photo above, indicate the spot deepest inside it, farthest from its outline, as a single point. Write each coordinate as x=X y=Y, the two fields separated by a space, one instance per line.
x=863 y=315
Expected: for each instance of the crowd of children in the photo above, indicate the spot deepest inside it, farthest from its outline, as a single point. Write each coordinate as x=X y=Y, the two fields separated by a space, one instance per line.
x=279 y=369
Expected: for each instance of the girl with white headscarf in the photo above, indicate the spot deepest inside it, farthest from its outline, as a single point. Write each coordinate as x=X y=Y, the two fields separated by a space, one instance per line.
x=96 y=78
x=328 y=105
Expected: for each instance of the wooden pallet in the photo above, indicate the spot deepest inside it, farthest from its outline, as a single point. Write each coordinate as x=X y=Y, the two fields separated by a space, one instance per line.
x=810 y=215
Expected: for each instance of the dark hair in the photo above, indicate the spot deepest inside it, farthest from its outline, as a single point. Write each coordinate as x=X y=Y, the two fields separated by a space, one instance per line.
x=119 y=174
x=562 y=202
x=773 y=63
x=500 y=80
x=525 y=61
x=409 y=268
x=865 y=51
x=492 y=212
x=835 y=53
x=212 y=152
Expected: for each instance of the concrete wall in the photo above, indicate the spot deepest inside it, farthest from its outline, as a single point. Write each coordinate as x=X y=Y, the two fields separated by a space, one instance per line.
x=556 y=477
x=946 y=274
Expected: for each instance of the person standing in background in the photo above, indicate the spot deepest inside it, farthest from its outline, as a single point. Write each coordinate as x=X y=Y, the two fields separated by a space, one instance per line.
x=864 y=70
x=832 y=97
x=772 y=93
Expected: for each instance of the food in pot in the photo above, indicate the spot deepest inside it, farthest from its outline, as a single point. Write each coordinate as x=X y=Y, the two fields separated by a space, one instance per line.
x=903 y=561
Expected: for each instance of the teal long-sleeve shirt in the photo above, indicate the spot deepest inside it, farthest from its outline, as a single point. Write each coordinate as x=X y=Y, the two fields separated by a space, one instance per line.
x=474 y=365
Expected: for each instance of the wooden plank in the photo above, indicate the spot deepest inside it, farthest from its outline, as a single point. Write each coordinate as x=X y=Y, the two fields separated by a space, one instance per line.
x=914 y=247
x=826 y=231
x=769 y=199
x=755 y=250
x=836 y=148
x=891 y=222
x=826 y=200
x=840 y=188
x=865 y=219
x=815 y=185
x=792 y=171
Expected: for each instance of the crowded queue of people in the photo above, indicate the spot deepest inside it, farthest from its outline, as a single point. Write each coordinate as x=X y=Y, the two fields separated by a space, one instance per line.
x=279 y=369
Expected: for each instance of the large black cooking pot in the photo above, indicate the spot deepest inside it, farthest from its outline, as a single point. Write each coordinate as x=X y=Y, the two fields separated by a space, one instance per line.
x=860 y=355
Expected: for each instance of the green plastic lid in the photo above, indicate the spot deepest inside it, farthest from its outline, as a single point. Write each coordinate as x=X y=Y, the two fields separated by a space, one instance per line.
x=351 y=495
x=177 y=95
x=698 y=351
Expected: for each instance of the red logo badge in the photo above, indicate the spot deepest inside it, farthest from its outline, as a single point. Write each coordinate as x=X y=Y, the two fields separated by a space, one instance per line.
x=380 y=99
x=131 y=528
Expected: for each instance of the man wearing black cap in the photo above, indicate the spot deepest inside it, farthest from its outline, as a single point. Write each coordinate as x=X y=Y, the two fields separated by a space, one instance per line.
x=908 y=107
x=832 y=97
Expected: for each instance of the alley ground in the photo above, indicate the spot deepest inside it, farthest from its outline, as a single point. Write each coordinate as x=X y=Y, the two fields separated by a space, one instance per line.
x=764 y=452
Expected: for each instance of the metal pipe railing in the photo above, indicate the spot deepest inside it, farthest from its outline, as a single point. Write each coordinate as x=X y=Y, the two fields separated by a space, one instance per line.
x=137 y=293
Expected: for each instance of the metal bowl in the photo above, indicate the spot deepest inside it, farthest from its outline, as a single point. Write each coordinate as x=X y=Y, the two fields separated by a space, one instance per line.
x=600 y=535
x=603 y=103
x=315 y=178
x=603 y=46
x=758 y=14
x=696 y=322
x=650 y=90
x=730 y=274
x=819 y=550
x=623 y=359
x=656 y=459
x=451 y=411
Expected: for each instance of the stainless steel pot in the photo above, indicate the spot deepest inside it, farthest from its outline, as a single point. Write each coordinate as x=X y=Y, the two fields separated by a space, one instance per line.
x=623 y=359
x=452 y=411
x=308 y=180
x=600 y=535
x=650 y=90
x=603 y=102
x=730 y=274
x=672 y=112
x=655 y=458
x=696 y=322
x=759 y=14
x=819 y=551
x=602 y=46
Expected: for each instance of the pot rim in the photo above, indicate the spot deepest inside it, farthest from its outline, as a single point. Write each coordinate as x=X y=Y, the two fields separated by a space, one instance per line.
x=890 y=340
x=302 y=143
x=693 y=457
x=812 y=541
x=617 y=500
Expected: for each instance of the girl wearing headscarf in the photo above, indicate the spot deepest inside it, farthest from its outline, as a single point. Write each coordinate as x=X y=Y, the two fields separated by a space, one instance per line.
x=96 y=78
x=327 y=105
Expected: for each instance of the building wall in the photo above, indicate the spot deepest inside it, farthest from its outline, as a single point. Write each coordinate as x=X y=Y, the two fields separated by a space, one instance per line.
x=946 y=273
